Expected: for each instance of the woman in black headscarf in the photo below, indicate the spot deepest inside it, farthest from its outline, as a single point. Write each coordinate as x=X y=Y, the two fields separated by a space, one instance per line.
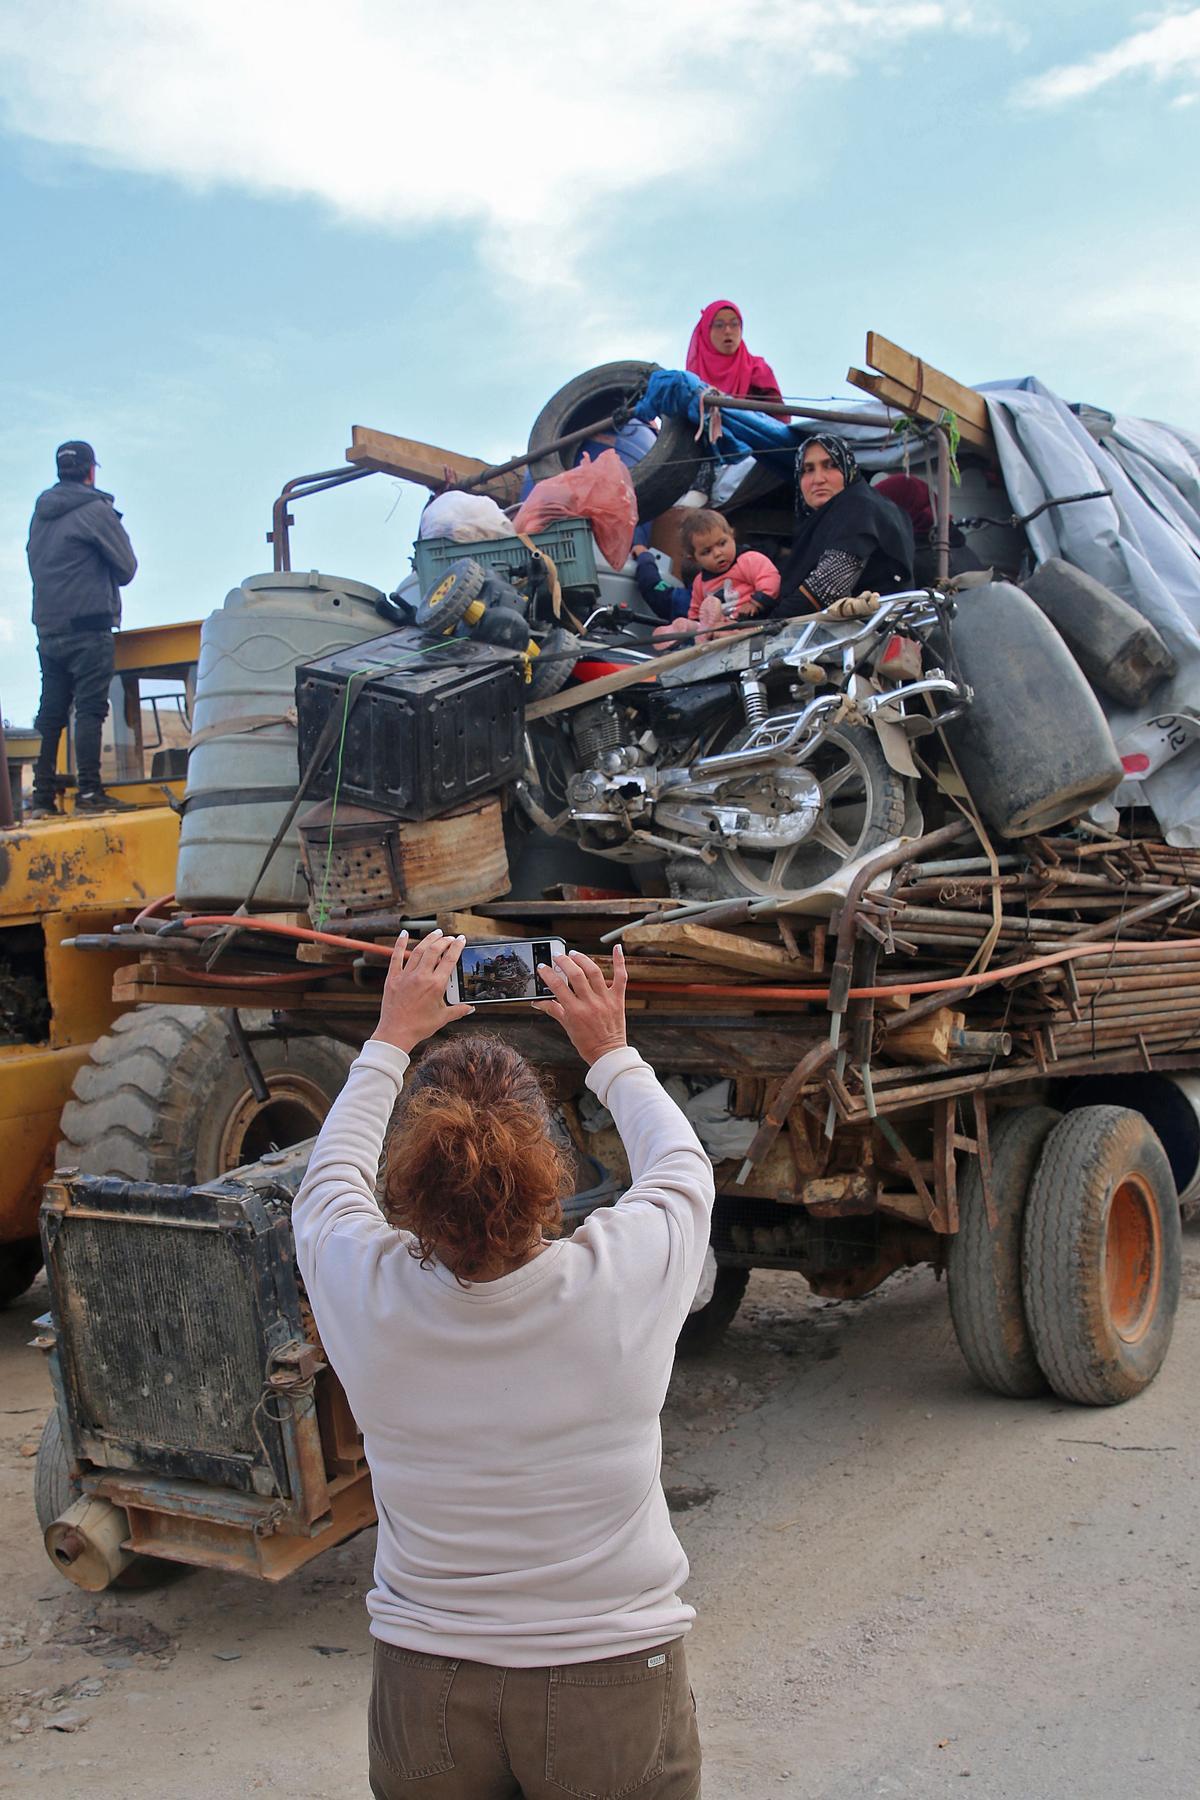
x=849 y=539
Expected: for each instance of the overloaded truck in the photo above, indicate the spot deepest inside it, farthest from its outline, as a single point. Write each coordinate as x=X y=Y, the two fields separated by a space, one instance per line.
x=907 y=899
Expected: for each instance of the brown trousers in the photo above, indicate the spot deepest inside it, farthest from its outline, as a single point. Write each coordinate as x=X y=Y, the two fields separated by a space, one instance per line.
x=441 y=1729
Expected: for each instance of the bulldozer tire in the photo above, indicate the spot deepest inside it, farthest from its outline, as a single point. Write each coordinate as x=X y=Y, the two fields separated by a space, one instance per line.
x=19 y=1265
x=663 y=474
x=703 y=1330
x=984 y=1267
x=1102 y=1256
x=165 y=1098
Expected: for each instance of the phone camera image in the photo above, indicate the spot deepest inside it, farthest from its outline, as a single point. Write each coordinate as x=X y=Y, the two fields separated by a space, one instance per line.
x=503 y=971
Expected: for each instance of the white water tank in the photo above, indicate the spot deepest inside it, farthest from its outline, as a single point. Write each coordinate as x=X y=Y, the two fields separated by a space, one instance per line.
x=242 y=768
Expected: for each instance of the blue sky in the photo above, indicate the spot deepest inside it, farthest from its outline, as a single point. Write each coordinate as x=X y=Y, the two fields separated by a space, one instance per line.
x=232 y=231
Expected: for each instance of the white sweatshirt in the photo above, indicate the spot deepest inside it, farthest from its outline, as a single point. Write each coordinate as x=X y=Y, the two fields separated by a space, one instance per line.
x=512 y=1426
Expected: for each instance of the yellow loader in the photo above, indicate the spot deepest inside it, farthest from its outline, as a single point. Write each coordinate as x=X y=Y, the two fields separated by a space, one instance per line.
x=155 y=1093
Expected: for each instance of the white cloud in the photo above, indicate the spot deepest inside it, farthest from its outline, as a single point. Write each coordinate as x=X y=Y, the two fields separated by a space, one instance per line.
x=1165 y=51
x=517 y=122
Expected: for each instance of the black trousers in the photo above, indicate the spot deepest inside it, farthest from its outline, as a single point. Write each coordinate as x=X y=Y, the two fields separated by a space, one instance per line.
x=77 y=668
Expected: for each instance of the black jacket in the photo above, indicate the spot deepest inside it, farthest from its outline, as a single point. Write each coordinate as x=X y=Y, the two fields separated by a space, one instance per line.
x=79 y=557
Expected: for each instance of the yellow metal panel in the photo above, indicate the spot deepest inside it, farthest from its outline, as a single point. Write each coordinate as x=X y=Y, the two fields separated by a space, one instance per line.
x=35 y=1084
x=87 y=863
x=79 y=982
x=157 y=647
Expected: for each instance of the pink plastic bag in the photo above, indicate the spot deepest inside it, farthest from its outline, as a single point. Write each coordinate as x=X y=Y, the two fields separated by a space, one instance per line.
x=600 y=492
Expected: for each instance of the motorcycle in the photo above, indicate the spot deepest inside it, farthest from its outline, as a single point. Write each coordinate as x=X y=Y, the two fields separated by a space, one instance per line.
x=760 y=767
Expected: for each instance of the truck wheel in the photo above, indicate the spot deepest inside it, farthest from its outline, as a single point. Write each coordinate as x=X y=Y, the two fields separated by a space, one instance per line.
x=703 y=1330
x=163 y=1098
x=1102 y=1256
x=663 y=474
x=984 y=1269
x=54 y=1492
x=19 y=1264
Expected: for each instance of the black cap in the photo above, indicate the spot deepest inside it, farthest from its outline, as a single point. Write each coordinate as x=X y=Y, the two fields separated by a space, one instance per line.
x=75 y=457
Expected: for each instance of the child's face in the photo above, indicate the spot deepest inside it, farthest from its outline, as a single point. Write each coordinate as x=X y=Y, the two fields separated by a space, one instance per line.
x=714 y=551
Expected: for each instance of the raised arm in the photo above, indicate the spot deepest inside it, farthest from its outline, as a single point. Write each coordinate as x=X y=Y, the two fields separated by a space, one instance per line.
x=671 y=1177
x=337 y=1194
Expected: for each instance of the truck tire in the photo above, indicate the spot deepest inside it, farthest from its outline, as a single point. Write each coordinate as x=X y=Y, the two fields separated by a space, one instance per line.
x=663 y=474
x=1034 y=747
x=19 y=1265
x=1101 y=1256
x=984 y=1267
x=164 y=1098
x=703 y=1330
x=868 y=810
x=1118 y=650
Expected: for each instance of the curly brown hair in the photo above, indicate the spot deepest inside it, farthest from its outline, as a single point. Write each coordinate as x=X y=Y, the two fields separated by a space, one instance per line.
x=471 y=1169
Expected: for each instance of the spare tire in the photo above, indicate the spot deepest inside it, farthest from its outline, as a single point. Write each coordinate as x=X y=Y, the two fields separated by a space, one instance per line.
x=1034 y=747
x=663 y=474
x=1118 y=650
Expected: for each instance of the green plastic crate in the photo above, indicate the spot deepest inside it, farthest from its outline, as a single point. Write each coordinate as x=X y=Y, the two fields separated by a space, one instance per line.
x=569 y=545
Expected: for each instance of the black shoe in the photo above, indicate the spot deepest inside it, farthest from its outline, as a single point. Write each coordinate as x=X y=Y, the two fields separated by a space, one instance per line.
x=96 y=800
x=42 y=808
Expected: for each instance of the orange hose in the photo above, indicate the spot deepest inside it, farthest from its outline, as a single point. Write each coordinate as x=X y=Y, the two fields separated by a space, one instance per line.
x=149 y=910
x=714 y=990
x=301 y=933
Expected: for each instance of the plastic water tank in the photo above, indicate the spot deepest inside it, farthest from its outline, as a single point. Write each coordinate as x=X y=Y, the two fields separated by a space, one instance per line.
x=242 y=769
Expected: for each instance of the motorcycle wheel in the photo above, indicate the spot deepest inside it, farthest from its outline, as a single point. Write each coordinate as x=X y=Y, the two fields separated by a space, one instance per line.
x=864 y=803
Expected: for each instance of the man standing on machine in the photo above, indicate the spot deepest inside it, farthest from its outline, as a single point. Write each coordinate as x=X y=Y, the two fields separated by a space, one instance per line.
x=80 y=558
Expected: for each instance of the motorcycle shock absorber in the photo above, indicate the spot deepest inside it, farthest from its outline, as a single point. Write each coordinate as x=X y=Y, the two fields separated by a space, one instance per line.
x=754 y=698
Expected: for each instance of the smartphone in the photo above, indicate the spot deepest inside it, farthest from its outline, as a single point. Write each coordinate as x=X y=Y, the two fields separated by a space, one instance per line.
x=501 y=970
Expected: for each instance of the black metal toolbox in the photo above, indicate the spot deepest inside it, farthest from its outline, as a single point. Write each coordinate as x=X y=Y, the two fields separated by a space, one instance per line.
x=420 y=725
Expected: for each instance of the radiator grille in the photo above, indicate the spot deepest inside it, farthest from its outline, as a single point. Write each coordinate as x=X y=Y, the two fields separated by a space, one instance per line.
x=163 y=1340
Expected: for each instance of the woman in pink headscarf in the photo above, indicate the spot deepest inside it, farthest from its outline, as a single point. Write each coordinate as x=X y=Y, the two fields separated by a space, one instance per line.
x=718 y=355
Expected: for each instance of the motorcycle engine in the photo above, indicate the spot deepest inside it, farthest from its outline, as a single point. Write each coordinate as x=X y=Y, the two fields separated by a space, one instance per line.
x=598 y=729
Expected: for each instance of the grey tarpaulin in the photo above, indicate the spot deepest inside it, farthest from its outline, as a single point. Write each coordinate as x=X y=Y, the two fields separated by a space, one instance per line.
x=1144 y=543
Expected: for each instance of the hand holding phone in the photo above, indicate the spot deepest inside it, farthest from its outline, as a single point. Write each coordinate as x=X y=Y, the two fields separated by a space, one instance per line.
x=414 y=994
x=590 y=1010
x=499 y=971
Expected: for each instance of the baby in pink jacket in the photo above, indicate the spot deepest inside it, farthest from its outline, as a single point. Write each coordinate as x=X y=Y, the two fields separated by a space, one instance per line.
x=729 y=585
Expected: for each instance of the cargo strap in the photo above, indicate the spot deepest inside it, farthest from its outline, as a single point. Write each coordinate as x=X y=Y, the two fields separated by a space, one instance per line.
x=242 y=727
x=557 y=604
x=250 y=796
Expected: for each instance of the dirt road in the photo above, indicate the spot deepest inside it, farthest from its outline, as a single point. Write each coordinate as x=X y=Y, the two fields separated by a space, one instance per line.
x=906 y=1588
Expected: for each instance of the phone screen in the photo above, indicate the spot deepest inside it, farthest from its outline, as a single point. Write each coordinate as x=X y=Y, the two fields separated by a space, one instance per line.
x=503 y=970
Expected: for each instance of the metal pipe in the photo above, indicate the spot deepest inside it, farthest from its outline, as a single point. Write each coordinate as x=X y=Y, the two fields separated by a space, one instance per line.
x=298 y=489
x=839 y=981
x=941 y=543
x=724 y=761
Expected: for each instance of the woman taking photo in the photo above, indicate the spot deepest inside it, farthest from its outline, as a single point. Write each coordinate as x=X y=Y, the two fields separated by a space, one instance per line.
x=849 y=539
x=508 y=1385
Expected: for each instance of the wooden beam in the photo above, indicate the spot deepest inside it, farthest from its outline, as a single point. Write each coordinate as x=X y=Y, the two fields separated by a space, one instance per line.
x=911 y=372
x=425 y=464
x=703 y=944
x=903 y=399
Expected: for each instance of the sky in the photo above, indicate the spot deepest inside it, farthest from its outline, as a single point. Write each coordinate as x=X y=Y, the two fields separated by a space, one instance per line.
x=231 y=231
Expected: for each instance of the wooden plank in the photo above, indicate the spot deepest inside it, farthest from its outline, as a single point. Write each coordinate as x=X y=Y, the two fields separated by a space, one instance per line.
x=927 y=1040
x=903 y=399
x=426 y=464
x=703 y=944
x=472 y=925
x=911 y=372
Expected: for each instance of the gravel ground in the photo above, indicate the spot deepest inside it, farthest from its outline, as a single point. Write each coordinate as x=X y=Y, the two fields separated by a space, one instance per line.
x=906 y=1587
